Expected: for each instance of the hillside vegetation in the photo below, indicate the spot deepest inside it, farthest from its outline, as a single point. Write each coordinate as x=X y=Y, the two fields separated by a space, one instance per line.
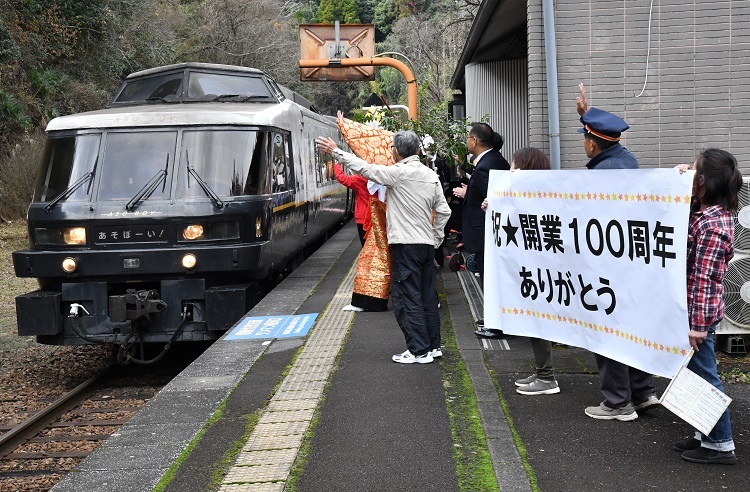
x=68 y=56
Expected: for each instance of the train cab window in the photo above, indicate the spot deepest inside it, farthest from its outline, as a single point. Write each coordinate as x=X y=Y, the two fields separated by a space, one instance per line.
x=230 y=162
x=132 y=160
x=257 y=178
x=282 y=172
x=66 y=165
x=166 y=87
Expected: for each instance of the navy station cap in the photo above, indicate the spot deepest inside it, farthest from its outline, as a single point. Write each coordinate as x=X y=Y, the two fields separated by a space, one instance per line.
x=603 y=124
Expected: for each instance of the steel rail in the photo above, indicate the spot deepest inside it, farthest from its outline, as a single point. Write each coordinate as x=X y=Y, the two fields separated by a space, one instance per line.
x=40 y=420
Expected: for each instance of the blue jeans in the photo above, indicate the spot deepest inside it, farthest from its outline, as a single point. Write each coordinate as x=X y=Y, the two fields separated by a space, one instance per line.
x=703 y=363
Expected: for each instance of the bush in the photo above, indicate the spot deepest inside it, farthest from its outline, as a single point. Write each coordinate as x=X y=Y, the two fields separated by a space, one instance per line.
x=18 y=171
x=8 y=48
x=13 y=118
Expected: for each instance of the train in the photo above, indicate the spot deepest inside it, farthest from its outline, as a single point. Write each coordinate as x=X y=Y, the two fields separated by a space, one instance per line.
x=154 y=220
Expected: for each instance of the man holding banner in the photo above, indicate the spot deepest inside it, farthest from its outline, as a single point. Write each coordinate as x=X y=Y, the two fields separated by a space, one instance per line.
x=625 y=389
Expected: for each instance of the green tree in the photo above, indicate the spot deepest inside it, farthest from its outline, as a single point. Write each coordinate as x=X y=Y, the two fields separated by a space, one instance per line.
x=366 y=10
x=305 y=11
x=384 y=15
x=344 y=11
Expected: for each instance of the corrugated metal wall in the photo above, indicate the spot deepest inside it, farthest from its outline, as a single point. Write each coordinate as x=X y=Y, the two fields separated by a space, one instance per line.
x=697 y=93
x=499 y=89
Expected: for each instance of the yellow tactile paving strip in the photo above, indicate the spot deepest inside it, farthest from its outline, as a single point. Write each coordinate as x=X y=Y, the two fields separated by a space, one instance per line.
x=269 y=453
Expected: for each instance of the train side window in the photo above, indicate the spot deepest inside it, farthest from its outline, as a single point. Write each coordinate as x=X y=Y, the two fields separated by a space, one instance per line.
x=291 y=181
x=319 y=160
x=324 y=166
x=282 y=172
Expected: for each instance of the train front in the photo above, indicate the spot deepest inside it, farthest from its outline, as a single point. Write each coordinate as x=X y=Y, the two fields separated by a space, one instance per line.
x=149 y=224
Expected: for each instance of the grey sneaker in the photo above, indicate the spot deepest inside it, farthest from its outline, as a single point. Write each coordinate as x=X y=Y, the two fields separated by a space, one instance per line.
x=603 y=412
x=435 y=353
x=539 y=387
x=526 y=380
x=650 y=401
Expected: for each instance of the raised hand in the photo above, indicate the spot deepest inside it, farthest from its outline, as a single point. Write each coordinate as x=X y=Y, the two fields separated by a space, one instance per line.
x=582 y=104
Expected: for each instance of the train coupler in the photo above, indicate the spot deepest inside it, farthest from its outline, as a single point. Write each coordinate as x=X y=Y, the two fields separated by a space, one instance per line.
x=135 y=305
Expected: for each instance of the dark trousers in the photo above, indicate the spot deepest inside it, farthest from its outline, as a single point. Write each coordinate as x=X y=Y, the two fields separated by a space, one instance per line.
x=361 y=231
x=413 y=295
x=622 y=383
x=479 y=259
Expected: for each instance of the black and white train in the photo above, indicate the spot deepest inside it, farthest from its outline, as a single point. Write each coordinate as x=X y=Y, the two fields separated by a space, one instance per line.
x=153 y=219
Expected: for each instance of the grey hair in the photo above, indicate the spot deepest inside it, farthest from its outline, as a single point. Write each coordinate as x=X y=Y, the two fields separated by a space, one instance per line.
x=406 y=142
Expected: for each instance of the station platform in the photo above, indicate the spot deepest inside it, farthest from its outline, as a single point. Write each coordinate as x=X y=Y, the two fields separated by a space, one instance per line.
x=331 y=411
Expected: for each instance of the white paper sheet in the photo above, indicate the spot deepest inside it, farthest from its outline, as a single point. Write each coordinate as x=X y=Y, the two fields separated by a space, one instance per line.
x=695 y=400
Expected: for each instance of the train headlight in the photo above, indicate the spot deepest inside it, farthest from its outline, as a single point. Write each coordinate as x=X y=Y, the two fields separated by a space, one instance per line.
x=60 y=236
x=193 y=232
x=189 y=261
x=74 y=235
x=210 y=231
x=69 y=265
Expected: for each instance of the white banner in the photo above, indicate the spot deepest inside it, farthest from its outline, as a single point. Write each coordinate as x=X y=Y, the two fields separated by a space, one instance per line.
x=594 y=259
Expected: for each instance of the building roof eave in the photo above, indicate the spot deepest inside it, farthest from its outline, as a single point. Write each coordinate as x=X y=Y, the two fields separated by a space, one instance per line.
x=507 y=19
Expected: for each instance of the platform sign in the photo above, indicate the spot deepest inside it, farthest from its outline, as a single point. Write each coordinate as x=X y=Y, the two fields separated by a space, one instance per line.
x=269 y=327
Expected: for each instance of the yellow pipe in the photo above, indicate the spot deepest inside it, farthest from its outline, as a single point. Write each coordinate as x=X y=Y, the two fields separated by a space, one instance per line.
x=411 y=82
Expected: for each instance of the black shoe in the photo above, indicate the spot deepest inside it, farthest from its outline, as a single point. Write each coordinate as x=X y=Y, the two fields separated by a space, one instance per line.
x=490 y=333
x=710 y=456
x=687 y=445
x=480 y=324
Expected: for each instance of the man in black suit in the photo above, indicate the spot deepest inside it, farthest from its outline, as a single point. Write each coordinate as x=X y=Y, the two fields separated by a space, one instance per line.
x=480 y=143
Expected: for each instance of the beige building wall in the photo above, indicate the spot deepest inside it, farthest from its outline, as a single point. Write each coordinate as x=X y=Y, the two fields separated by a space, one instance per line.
x=678 y=72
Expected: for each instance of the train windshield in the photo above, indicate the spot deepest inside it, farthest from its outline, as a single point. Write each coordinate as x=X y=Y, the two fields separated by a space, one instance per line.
x=231 y=162
x=66 y=161
x=132 y=159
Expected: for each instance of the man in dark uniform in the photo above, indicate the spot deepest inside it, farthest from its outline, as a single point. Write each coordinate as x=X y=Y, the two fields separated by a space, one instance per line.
x=480 y=142
x=625 y=389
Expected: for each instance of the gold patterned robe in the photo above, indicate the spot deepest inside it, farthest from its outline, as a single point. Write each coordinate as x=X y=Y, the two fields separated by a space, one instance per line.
x=372 y=282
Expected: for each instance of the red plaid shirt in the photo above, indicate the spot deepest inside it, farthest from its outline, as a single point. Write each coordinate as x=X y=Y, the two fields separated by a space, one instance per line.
x=710 y=247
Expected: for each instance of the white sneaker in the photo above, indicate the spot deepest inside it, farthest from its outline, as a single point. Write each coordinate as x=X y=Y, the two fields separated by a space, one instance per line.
x=650 y=401
x=409 y=358
x=352 y=308
x=435 y=353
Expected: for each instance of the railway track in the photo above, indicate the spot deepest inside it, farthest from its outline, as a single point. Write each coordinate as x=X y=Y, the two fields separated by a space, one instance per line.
x=37 y=452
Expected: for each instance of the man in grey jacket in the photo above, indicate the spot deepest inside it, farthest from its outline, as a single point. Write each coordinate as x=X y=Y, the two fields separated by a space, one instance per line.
x=414 y=195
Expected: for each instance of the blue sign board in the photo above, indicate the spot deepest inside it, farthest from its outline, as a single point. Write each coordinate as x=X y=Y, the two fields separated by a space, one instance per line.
x=268 y=327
